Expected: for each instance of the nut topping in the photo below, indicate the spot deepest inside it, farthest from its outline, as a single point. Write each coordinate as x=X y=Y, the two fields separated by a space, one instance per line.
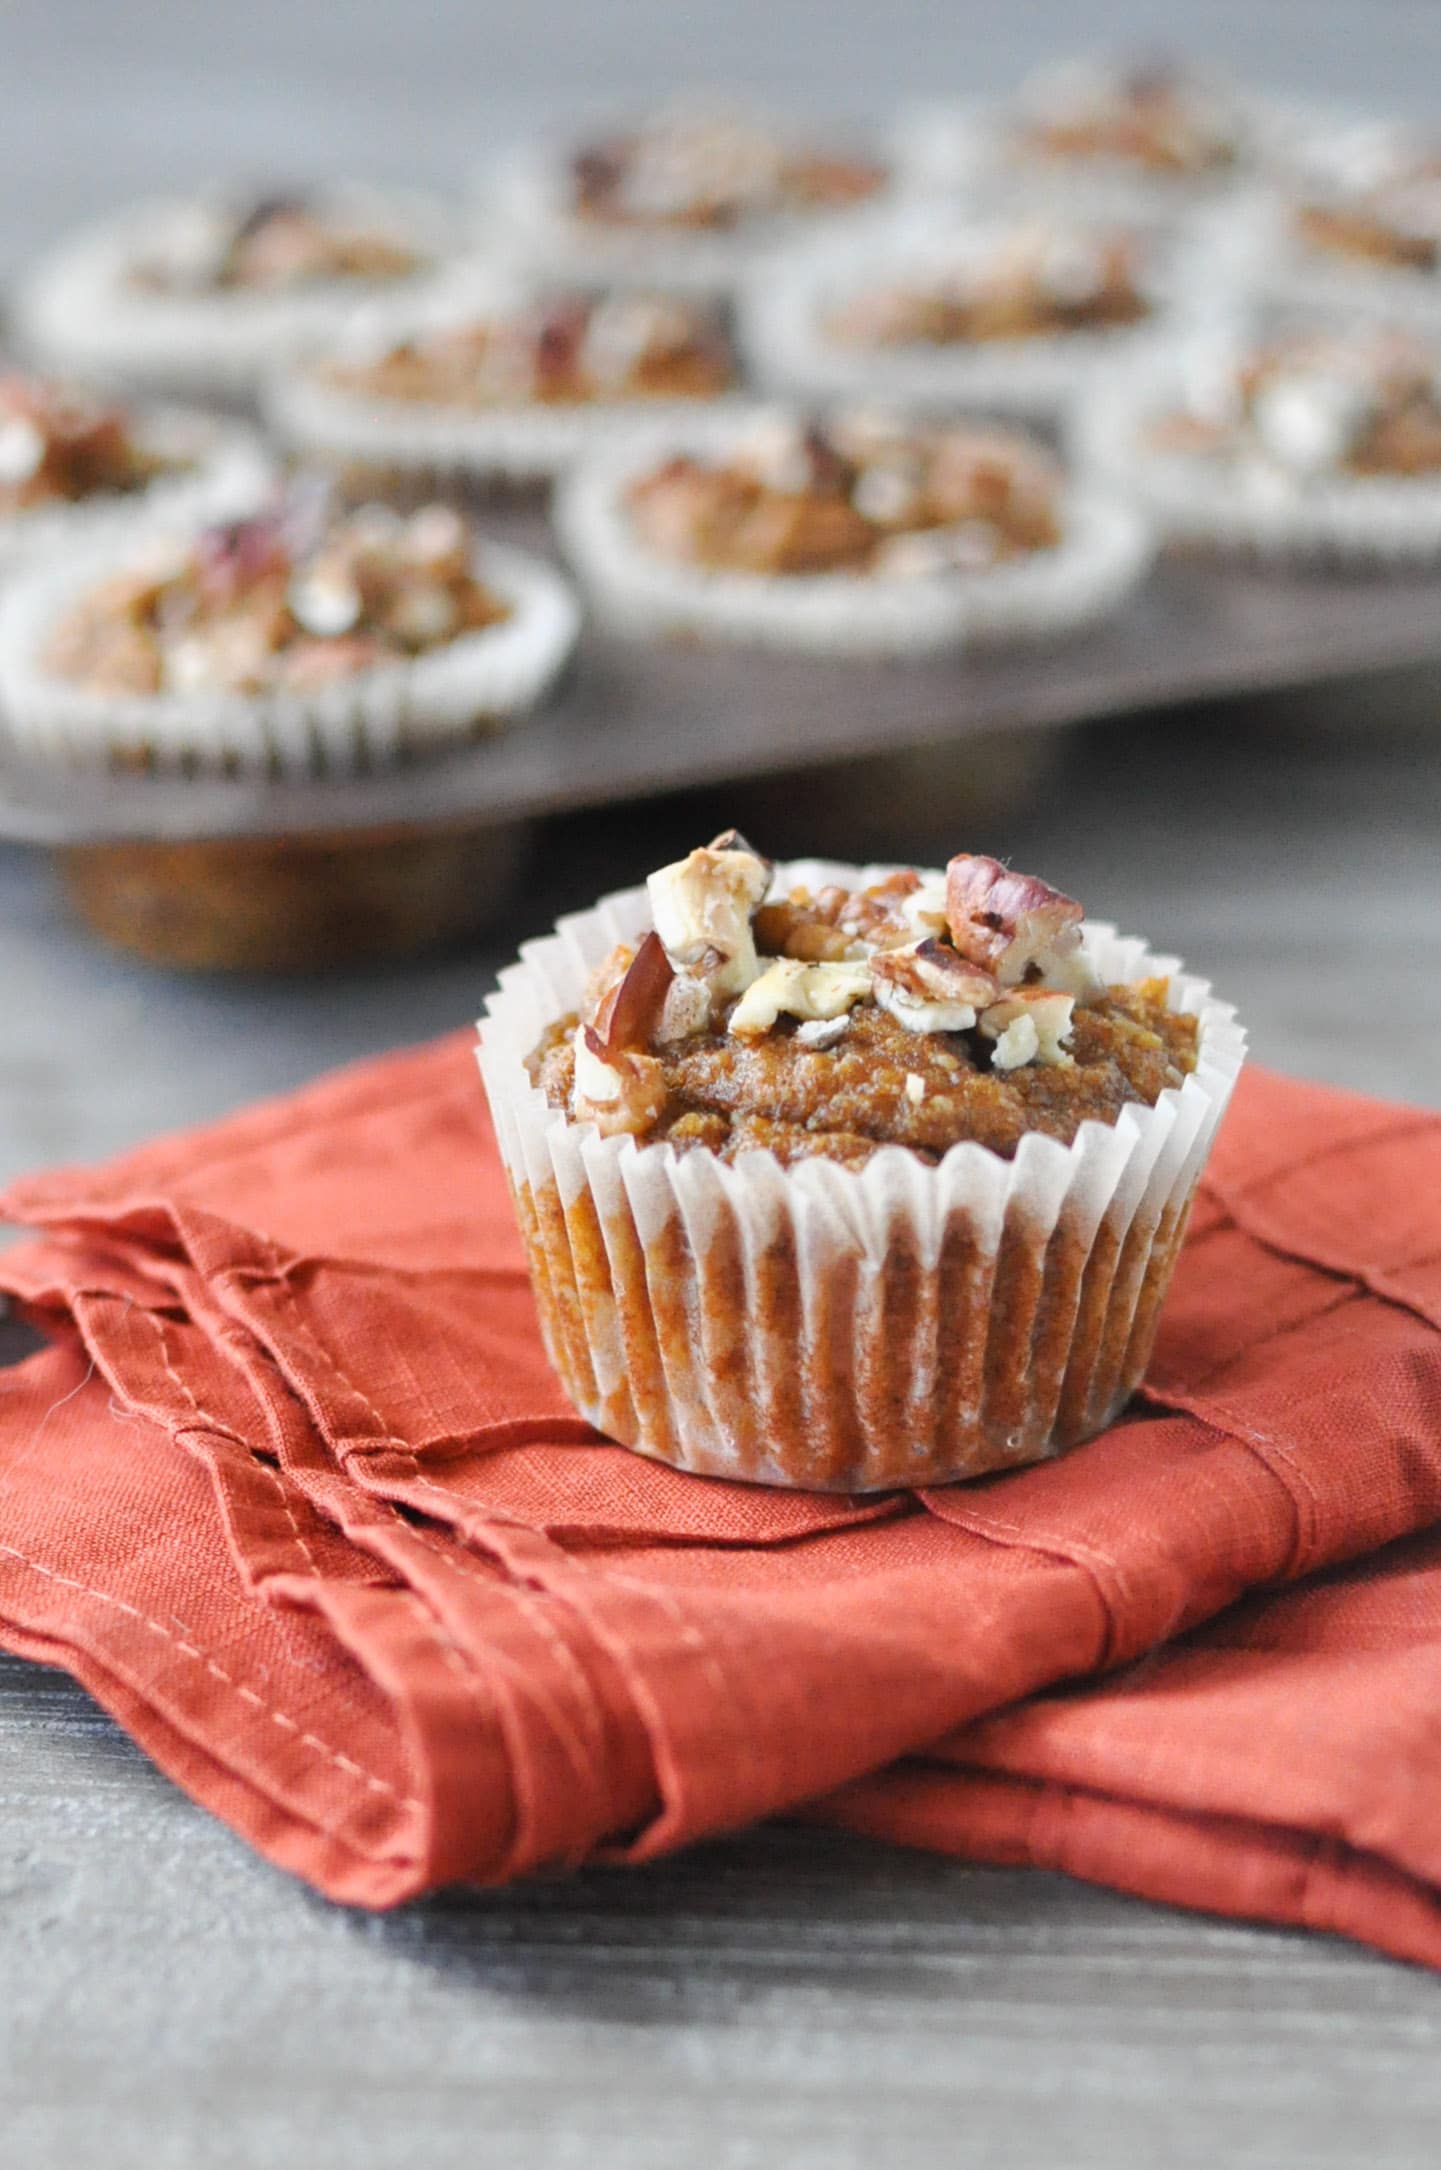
x=822 y=1031
x=928 y=988
x=734 y=1027
x=630 y=1010
x=791 y=988
x=702 y=907
x=1014 y=925
x=616 y=1090
x=1029 y=1025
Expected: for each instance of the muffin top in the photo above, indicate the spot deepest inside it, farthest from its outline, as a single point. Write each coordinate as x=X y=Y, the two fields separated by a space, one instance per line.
x=294 y=597
x=560 y=350
x=1041 y=278
x=1309 y=405
x=710 y=171
x=1159 y=118
x=855 y=494
x=61 y=446
x=274 y=244
x=920 y=1011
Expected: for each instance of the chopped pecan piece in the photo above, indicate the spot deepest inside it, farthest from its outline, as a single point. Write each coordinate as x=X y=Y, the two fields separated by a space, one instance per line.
x=928 y=988
x=632 y=1007
x=1015 y=926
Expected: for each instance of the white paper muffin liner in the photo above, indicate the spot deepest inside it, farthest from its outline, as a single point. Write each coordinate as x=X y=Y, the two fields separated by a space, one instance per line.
x=473 y=684
x=967 y=150
x=521 y=443
x=784 y=305
x=1247 y=504
x=77 y=311
x=1274 y=261
x=1105 y=551
x=228 y=469
x=843 y=1329
x=526 y=218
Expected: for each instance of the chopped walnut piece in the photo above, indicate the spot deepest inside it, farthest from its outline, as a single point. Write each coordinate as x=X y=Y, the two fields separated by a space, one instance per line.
x=822 y=1031
x=1031 y=1024
x=1015 y=925
x=928 y=988
x=792 y=988
x=615 y=1089
x=702 y=907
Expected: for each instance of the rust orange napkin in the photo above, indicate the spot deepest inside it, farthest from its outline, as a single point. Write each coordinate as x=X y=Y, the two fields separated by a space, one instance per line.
x=293 y=1492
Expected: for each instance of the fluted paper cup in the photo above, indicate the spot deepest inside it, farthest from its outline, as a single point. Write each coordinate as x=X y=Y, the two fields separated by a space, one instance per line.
x=522 y=441
x=784 y=307
x=78 y=310
x=527 y=217
x=1243 y=504
x=467 y=687
x=971 y=149
x=224 y=470
x=1104 y=553
x=838 y=1329
x=1275 y=260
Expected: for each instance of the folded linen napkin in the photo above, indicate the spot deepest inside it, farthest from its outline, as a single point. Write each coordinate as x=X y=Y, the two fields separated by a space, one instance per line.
x=294 y=1493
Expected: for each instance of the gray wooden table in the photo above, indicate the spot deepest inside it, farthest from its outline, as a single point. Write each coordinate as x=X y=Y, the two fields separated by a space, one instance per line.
x=786 y=1998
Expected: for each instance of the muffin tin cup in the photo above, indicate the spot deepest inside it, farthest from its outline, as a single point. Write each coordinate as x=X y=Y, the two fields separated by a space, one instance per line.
x=1269 y=257
x=226 y=470
x=79 y=311
x=468 y=687
x=837 y=1329
x=1246 y=506
x=525 y=215
x=1040 y=376
x=453 y=445
x=1104 y=552
x=970 y=150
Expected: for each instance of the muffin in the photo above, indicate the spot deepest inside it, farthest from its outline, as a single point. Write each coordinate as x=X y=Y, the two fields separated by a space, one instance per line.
x=855 y=535
x=1299 y=442
x=201 y=294
x=685 y=195
x=293 y=639
x=1010 y=316
x=76 y=467
x=1357 y=224
x=486 y=381
x=847 y=1178
x=1164 y=134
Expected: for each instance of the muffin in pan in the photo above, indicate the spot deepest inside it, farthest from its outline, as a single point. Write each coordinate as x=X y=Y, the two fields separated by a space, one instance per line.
x=296 y=639
x=1290 y=441
x=682 y=196
x=201 y=294
x=486 y=379
x=1009 y=316
x=1355 y=224
x=1115 y=136
x=849 y=1178
x=857 y=535
x=76 y=467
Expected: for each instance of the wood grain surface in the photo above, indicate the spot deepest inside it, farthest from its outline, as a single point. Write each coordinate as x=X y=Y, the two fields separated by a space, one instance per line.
x=785 y=2000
